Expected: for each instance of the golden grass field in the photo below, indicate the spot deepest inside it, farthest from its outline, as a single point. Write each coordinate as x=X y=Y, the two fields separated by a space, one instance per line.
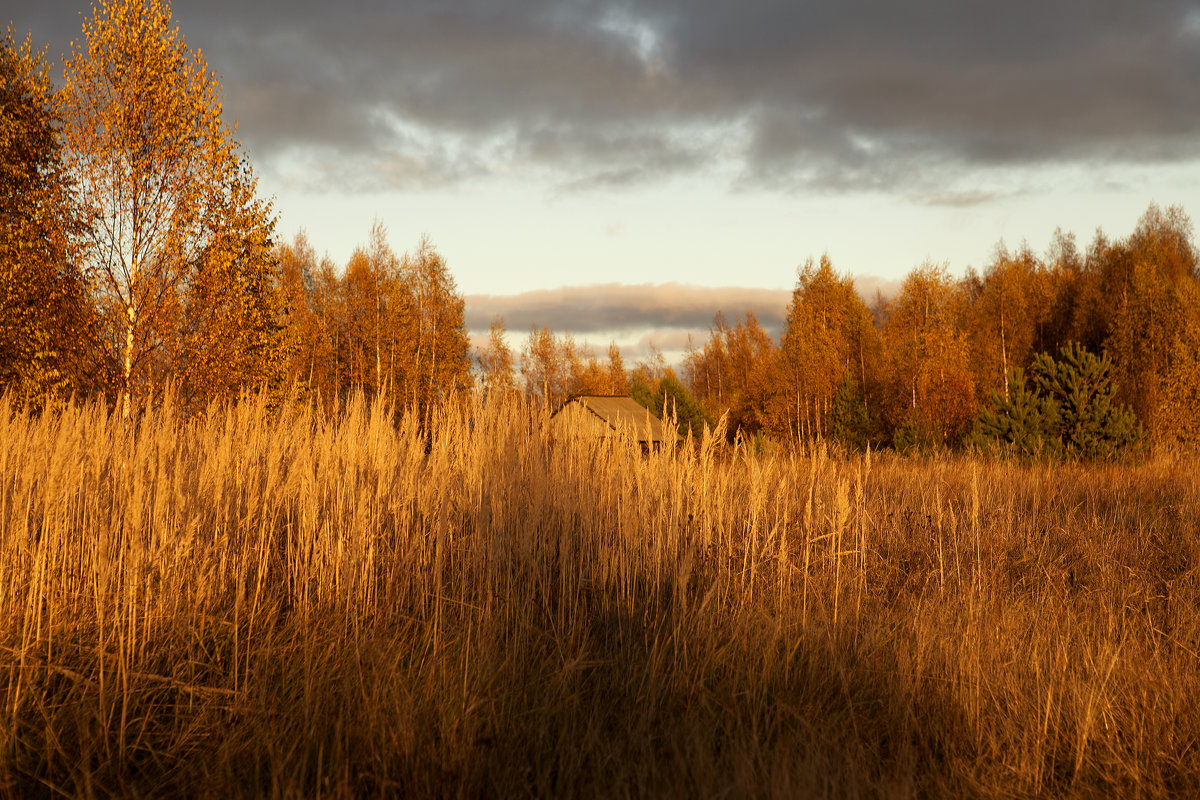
x=256 y=604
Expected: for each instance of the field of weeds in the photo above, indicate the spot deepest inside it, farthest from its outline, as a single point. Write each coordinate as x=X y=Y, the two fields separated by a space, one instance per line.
x=299 y=605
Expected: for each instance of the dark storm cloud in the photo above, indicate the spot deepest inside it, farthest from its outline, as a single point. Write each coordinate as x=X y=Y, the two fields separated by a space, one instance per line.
x=836 y=93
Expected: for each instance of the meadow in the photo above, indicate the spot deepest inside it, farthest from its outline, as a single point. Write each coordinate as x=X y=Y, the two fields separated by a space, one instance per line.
x=299 y=604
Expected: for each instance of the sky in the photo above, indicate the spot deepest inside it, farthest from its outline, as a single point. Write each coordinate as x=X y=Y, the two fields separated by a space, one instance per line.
x=623 y=169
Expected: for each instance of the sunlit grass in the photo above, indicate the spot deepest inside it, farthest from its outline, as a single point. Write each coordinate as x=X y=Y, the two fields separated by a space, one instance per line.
x=296 y=604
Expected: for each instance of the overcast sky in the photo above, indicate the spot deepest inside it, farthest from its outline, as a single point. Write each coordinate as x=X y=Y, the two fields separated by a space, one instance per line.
x=546 y=144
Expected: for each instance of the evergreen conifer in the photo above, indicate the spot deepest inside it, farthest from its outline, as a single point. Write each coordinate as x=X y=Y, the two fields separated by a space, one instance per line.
x=1068 y=407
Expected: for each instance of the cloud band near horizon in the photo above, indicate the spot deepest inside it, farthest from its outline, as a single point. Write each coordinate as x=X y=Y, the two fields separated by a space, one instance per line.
x=638 y=316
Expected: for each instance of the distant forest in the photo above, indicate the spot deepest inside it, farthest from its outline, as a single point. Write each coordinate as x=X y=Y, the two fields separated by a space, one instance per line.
x=136 y=254
x=934 y=364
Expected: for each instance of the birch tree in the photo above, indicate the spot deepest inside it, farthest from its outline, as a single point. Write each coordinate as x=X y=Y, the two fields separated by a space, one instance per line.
x=829 y=338
x=441 y=355
x=157 y=174
x=1007 y=315
x=496 y=363
x=932 y=386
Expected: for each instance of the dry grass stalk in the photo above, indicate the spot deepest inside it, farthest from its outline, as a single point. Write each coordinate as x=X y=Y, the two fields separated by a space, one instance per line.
x=293 y=604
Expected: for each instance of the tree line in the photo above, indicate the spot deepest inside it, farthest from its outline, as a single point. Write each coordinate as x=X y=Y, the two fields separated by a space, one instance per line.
x=135 y=251
x=935 y=364
x=927 y=364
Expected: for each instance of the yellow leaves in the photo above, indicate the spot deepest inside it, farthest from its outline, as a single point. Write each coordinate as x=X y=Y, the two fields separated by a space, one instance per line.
x=931 y=377
x=41 y=305
x=829 y=335
x=171 y=200
x=1010 y=307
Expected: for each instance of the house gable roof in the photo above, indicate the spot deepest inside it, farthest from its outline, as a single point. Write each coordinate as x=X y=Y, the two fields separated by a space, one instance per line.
x=621 y=413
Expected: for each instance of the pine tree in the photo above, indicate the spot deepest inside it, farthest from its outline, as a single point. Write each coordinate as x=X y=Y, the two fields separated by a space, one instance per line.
x=850 y=420
x=1023 y=423
x=912 y=434
x=668 y=398
x=1068 y=407
x=1091 y=425
x=642 y=391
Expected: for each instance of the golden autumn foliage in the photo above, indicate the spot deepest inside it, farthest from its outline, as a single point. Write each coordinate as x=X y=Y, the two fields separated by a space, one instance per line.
x=390 y=585
x=175 y=251
x=543 y=368
x=828 y=338
x=303 y=320
x=556 y=367
x=734 y=373
x=168 y=205
x=310 y=320
x=441 y=360
x=45 y=312
x=496 y=363
x=931 y=383
x=378 y=320
x=1007 y=314
x=135 y=252
x=589 y=375
x=1177 y=416
x=1154 y=305
x=618 y=380
x=228 y=337
x=915 y=369
x=386 y=324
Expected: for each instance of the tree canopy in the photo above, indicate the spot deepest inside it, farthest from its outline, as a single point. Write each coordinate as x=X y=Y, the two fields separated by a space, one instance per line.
x=176 y=243
x=45 y=313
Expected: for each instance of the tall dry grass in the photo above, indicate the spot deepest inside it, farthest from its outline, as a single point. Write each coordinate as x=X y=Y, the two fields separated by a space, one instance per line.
x=305 y=605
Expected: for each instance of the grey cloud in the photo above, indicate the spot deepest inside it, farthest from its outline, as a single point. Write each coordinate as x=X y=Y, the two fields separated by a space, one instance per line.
x=669 y=316
x=833 y=94
x=621 y=308
x=667 y=341
x=626 y=309
x=959 y=199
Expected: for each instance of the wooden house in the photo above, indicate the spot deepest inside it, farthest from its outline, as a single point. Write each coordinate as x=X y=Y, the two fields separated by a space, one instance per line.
x=613 y=415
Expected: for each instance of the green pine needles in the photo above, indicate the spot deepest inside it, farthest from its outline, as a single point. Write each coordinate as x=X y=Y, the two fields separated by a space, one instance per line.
x=670 y=398
x=850 y=420
x=1067 y=408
